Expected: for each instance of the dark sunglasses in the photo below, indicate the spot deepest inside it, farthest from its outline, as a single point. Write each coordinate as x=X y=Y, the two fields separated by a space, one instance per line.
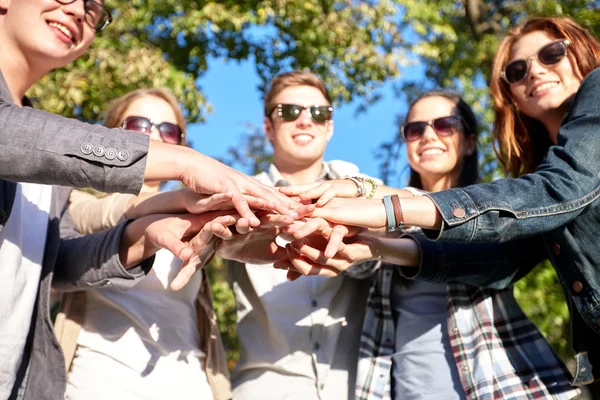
x=550 y=54
x=96 y=15
x=444 y=126
x=291 y=112
x=170 y=133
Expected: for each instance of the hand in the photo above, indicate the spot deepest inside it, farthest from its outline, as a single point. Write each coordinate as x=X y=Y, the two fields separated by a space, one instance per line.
x=196 y=203
x=145 y=236
x=307 y=256
x=205 y=175
x=255 y=245
x=335 y=233
x=204 y=246
x=324 y=191
x=350 y=212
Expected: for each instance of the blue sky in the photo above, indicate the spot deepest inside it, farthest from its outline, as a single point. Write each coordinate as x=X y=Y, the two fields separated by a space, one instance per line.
x=231 y=88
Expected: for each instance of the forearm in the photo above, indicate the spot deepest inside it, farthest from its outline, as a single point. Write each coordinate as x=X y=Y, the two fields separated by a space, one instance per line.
x=170 y=202
x=399 y=251
x=134 y=245
x=43 y=148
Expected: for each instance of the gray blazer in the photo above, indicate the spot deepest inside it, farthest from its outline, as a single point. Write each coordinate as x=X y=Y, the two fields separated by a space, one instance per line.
x=43 y=148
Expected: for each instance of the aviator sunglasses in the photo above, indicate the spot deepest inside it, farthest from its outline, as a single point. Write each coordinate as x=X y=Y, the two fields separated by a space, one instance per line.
x=444 y=126
x=291 y=112
x=170 y=133
x=550 y=54
x=96 y=15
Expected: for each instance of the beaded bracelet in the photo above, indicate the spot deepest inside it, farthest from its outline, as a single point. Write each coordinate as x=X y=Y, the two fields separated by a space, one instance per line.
x=373 y=184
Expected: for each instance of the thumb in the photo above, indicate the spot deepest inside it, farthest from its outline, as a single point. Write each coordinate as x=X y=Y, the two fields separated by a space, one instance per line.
x=168 y=240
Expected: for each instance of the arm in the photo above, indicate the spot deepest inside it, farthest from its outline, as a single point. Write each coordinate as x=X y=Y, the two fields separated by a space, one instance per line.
x=493 y=265
x=36 y=146
x=92 y=214
x=567 y=181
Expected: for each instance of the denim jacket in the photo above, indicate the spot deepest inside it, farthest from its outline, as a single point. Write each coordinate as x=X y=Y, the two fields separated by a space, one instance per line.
x=560 y=203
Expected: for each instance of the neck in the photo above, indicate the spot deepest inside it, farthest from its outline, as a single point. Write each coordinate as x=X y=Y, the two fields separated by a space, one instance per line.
x=553 y=120
x=299 y=175
x=17 y=72
x=439 y=183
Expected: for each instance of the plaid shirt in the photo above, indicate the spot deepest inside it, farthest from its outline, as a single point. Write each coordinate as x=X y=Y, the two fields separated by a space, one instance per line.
x=499 y=352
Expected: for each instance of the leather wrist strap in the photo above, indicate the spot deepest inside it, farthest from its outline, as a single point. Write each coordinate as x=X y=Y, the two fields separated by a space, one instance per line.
x=389 y=213
x=398 y=211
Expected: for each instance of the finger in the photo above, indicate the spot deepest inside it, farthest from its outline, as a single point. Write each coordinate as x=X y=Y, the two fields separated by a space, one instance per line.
x=309 y=268
x=305 y=210
x=275 y=220
x=293 y=275
x=313 y=254
x=188 y=269
x=242 y=226
x=213 y=202
x=315 y=192
x=336 y=239
x=326 y=197
x=241 y=206
x=297 y=189
x=168 y=240
x=311 y=226
x=281 y=202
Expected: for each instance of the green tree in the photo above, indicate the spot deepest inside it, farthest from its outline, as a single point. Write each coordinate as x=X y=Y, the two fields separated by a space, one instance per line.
x=153 y=43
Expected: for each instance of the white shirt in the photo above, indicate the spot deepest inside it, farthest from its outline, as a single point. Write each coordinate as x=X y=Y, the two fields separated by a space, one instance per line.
x=141 y=343
x=22 y=242
x=298 y=340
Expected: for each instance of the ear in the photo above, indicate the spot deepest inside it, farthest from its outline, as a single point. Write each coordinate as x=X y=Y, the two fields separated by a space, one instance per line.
x=267 y=127
x=329 y=129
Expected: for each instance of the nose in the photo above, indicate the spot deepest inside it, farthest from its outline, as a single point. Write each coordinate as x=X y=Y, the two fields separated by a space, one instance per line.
x=535 y=68
x=304 y=119
x=429 y=134
x=76 y=9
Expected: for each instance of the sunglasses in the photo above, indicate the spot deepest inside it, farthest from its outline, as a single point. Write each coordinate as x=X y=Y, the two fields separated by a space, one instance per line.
x=96 y=15
x=291 y=112
x=444 y=126
x=550 y=54
x=169 y=133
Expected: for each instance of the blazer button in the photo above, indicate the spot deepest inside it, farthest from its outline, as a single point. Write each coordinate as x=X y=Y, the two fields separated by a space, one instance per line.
x=99 y=151
x=556 y=248
x=110 y=153
x=87 y=148
x=577 y=286
x=459 y=213
x=123 y=155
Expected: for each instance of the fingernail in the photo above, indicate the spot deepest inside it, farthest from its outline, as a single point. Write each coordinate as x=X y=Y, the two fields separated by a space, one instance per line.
x=296 y=245
x=186 y=253
x=255 y=221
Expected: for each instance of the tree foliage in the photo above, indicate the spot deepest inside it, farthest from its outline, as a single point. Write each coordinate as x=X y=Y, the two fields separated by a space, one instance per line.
x=169 y=43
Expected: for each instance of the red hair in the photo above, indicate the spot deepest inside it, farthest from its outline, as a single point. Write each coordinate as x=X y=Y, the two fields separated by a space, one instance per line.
x=520 y=142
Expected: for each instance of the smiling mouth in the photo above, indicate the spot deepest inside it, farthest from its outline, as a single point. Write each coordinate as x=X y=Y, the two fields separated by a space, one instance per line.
x=431 y=152
x=63 y=29
x=542 y=87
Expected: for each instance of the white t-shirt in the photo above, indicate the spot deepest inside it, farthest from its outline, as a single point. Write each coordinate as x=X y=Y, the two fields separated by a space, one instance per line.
x=22 y=242
x=142 y=343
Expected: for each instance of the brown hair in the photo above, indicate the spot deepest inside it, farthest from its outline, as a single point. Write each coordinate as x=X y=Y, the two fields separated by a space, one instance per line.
x=469 y=173
x=521 y=142
x=116 y=110
x=291 y=79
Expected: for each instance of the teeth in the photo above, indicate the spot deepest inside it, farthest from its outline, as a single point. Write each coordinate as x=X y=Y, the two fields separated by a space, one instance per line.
x=62 y=28
x=544 y=86
x=303 y=138
x=431 y=151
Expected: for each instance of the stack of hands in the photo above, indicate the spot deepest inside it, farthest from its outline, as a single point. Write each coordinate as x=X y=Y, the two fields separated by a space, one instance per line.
x=316 y=229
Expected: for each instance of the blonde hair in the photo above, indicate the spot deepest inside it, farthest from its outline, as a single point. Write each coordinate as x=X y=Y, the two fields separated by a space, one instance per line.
x=521 y=142
x=292 y=79
x=116 y=111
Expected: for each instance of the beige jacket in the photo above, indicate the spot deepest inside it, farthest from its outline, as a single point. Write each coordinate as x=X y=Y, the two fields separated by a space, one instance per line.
x=90 y=214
